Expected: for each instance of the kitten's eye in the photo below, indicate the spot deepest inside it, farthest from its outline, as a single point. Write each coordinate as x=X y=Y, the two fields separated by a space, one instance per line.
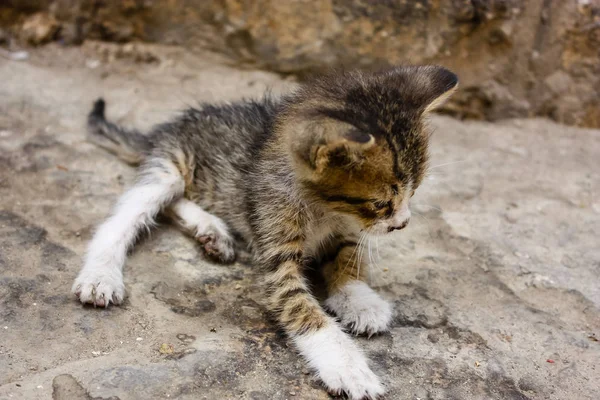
x=379 y=205
x=357 y=136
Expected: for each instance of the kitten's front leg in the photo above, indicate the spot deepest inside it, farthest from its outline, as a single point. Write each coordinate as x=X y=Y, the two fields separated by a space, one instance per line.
x=357 y=305
x=338 y=362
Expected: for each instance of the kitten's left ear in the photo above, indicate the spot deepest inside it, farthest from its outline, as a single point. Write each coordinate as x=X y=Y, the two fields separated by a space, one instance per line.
x=432 y=85
x=443 y=84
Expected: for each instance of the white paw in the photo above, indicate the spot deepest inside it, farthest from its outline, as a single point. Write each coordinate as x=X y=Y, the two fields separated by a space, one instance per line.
x=339 y=363
x=217 y=242
x=211 y=231
x=99 y=286
x=360 y=308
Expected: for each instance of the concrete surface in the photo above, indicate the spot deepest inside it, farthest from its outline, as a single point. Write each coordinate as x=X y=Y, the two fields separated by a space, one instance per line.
x=496 y=285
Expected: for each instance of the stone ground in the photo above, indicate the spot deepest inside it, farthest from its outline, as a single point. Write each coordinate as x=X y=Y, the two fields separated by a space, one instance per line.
x=496 y=285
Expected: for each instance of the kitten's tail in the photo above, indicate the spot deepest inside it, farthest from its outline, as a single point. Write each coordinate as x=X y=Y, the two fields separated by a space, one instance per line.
x=129 y=145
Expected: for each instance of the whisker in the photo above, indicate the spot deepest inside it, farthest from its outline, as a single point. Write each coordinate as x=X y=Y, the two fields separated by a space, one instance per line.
x=360 y=239
x=427 y=205
x=421 y=215
x=373 y=263
x=427 y=221
x=370 y=257
x=448 y=163
x=358 y=270
x=370 y=263
x=376 y=262
x=359 y=257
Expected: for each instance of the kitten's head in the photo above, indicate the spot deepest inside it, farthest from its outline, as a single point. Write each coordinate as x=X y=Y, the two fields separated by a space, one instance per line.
x=359 y=143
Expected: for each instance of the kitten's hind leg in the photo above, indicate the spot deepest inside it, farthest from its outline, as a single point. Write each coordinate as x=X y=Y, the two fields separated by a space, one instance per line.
x=100 y=281
x=210 y=230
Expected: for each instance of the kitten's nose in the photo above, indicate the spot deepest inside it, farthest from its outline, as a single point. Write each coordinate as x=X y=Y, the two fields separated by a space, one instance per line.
x=401 y=226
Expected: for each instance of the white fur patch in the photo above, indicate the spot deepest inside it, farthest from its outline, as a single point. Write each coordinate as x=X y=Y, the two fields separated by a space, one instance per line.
x=360 y=308
x=339 y=363
x=100 y=281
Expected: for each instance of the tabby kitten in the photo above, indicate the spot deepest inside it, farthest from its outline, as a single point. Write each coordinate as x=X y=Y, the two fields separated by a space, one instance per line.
x=299 y=179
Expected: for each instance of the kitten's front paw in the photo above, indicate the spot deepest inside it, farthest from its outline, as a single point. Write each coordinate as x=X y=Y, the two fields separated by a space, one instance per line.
x=339 y=363
x=99 y=286
x=358 y=382
x=360 y=308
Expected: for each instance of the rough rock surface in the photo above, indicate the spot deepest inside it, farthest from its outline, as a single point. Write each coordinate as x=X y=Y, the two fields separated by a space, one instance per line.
x=494 y=283
x=515 y=58
x=39 y=28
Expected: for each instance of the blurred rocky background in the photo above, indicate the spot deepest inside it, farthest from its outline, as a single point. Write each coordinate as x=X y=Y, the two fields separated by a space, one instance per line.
x=516 y=58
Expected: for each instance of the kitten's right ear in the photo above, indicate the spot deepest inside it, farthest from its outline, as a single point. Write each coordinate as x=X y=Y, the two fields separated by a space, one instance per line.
x=340 y=149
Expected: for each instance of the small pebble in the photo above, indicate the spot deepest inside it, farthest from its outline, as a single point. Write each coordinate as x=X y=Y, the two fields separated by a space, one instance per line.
x=92 y=64
x=166 y=348
x=18 y=55
x=139 y=339
x=238 y=286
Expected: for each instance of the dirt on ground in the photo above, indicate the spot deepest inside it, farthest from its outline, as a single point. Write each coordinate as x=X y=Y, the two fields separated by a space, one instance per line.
x=495 y=283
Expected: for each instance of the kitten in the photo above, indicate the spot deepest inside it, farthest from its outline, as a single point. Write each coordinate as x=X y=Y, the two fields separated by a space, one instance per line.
x=299 y=179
